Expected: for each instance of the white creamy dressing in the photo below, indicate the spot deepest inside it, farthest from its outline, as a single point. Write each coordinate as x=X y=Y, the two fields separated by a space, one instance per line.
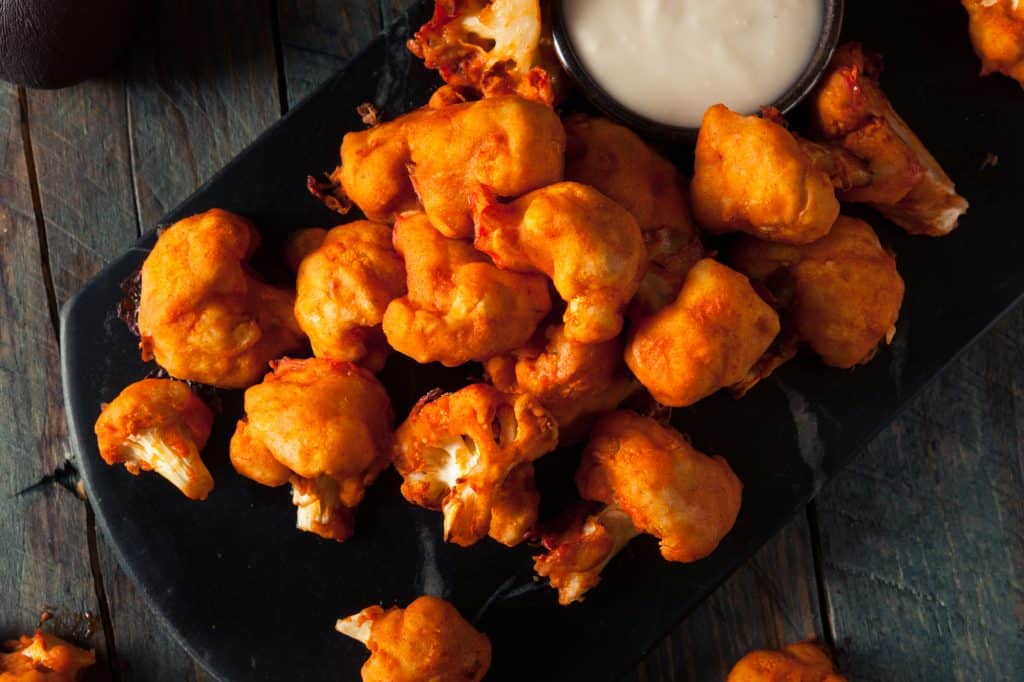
x=670 y=60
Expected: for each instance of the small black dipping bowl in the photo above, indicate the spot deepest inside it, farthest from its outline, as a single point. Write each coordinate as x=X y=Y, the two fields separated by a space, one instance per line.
x=611 y=107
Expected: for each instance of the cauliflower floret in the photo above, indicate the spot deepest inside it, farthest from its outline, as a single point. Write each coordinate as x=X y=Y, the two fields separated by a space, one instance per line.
x=571 y=380
x=43 y=658
x=752 y=175
x=589 y=246
x=490 y=47
x=800 y=662
x=618 y=163
x=457 y=452
x=202 y=315
x=650 y=480
x=709 y=338
x=344 y=285
x=904 y=182
x=841 y=294
x=158 y=425
x=323 y=425
x=460 y=307
x=997 y=33
x=427 y=640
x=434 y=158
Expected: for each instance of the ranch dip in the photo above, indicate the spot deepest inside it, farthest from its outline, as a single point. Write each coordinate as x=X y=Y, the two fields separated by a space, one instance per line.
x=669 y=60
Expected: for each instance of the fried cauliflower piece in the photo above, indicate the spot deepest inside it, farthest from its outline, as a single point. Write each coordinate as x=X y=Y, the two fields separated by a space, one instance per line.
x=618 y=163
x=158 y=425
x=571 y=380
x=344 y=286
x=43 y=658
x=707 y=339
x=323 y=425
x=490 y=47
x=203 y=316
x=800 y=662
x=840 y=295
x=752 y=175
x=460 y=307
x=457 y=452
x=426 y=641
x=434 y=158
x=903 y=182
x=650 y=480
x=997 y=33
x=589 y=246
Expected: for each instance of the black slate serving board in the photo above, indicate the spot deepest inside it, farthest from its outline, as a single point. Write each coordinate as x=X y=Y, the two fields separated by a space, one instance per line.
x=253 y=599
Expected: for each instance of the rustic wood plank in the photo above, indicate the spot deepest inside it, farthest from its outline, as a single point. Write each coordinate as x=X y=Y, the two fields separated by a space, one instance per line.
x=772 y=600
x=923 y=538
x=45 y=562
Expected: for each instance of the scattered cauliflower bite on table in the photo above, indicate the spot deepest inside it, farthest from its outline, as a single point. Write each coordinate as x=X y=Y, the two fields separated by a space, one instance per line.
x=158 y=425
x=203 y=316
x=343 y=287
x=427 y=641
x=469 y=454
x=43 y=658
x=800 y=662
x=325 y=427
x=997 y=33
x=650 y=480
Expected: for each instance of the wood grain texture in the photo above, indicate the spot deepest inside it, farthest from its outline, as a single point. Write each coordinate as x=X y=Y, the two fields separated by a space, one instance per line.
x=770 y=601
x=44 y=563
x=923 y=538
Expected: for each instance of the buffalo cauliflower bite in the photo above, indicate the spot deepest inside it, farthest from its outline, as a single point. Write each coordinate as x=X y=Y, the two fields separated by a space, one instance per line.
x=434 y=158
x=997 y=33
x=43 y=658
x=457 y=452
x=343 y=288
x=571 y=380
x=589 y=246
x=618 y=163
x=203 y=316
x=841 y=294
x=460 y=307
x=707 y=339
x=903 y=181
x=752 y=175
x=650 y=480
x=158 y=425
x=490 y=47
x=426 y=641
x=323 y=425
x=800 y=662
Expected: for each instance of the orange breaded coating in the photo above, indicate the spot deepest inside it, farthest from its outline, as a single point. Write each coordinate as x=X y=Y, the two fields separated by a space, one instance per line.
x=618 y=163
x=841 y=295
x=490 y=47
x=343 y=288
x=203 y=316
x=997 y=33
x=435 y=158
x=43 y=658
x=707 y=339
x=752 y=175
x=800 y=662
x=457 y=452
x=460 y=307
x=427 y=641
x=903 y=181
x=651 y=480
x=158 y=425
x=323 y=425
x=571 y=380
x=589 y=246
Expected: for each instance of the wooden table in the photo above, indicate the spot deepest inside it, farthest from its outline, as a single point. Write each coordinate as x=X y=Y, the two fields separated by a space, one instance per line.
x=911 y=564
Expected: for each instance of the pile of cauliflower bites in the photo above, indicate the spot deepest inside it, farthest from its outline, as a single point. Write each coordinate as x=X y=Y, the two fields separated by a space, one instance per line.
x=572 y=260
